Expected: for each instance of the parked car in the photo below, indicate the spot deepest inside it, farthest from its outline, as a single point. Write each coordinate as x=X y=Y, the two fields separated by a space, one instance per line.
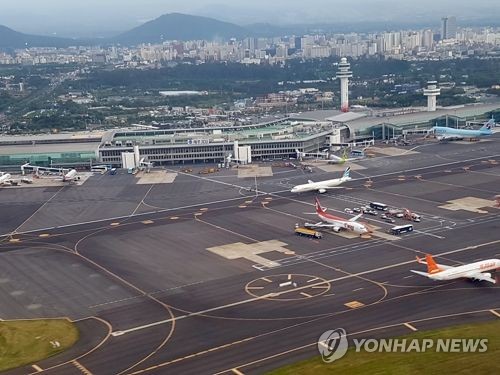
x=356 y=209
x=348 y=211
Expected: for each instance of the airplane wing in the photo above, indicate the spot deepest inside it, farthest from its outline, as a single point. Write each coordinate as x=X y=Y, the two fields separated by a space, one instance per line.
x=355 y=218
x=481 y=276
x=322 y=225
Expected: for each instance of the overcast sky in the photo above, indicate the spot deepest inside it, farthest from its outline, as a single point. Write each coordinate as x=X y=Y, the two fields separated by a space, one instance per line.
x=94 y=17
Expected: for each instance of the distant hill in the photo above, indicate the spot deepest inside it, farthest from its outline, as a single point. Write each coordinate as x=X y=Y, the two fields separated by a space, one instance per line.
x=177 y=26
x=13 y=39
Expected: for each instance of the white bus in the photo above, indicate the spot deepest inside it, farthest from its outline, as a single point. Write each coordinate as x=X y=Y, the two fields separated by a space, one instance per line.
x=400 y=229
x=378 y=206
x=99 y=168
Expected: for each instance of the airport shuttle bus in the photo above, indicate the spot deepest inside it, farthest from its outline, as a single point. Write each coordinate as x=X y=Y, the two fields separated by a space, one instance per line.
x=99 y=168
x=400 y=229
x=378 y=206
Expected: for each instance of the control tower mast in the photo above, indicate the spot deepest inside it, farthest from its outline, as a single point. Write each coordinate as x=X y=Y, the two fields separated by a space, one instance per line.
x=344 y=73
x=432 y=91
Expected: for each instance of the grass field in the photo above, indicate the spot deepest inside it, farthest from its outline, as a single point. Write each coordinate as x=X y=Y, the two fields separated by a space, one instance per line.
x=428 y=362
x=25 y=342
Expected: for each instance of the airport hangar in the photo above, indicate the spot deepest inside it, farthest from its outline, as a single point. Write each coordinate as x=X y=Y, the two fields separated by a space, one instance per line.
x=307 y=132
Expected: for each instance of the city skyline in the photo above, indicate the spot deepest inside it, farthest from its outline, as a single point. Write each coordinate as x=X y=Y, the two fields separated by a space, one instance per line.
x=94 y=18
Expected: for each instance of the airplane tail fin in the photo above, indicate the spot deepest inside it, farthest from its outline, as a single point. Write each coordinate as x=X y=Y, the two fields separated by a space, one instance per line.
x=347 y=173
x=432 y=267
x=488 y=126
x=319 y=209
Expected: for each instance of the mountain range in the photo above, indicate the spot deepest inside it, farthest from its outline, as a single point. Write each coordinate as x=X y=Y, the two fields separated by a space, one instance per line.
x=173 y=26
x=177 y=26
x=14 y=39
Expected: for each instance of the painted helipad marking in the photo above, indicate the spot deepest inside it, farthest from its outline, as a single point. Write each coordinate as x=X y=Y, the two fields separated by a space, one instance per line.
x=44 y=235
x=147 y=222
x=495 y=313
x=266 y=279
x=354 y=304
x=408 y=325
x=37 y=368
x=288 y=282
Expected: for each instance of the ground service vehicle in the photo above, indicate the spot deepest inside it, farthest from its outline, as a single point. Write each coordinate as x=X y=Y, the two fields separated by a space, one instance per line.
x=300 y=231
x=400 y=229
x=408 y=215
x=395 y=213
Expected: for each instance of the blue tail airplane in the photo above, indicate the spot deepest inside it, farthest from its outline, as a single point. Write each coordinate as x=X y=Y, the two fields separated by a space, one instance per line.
x=444 y=133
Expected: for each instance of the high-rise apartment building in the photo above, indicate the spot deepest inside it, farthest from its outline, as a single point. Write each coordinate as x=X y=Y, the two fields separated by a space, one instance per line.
x=448 y=27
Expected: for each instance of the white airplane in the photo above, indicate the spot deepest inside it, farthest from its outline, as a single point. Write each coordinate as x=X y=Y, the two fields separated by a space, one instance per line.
x=70 y=176
x=337 y=223
x=475 y=271
x=5 y=178
x=323 y=186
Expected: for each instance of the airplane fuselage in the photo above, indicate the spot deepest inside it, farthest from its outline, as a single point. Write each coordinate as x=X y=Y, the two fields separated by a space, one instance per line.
x=5 y=178
x=340 y=223
x=320 y=186
x=70 y=176
x=443 y=133
x=467 y=270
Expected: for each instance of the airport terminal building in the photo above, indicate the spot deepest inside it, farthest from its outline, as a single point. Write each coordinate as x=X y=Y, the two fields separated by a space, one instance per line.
x=307 y=132
x=272 y=140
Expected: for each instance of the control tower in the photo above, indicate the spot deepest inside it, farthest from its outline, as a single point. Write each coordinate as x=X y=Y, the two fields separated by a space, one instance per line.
x=432 y=91
x=344 y=73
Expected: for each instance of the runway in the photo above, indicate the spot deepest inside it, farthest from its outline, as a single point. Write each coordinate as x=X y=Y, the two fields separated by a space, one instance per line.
x=185 y=277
